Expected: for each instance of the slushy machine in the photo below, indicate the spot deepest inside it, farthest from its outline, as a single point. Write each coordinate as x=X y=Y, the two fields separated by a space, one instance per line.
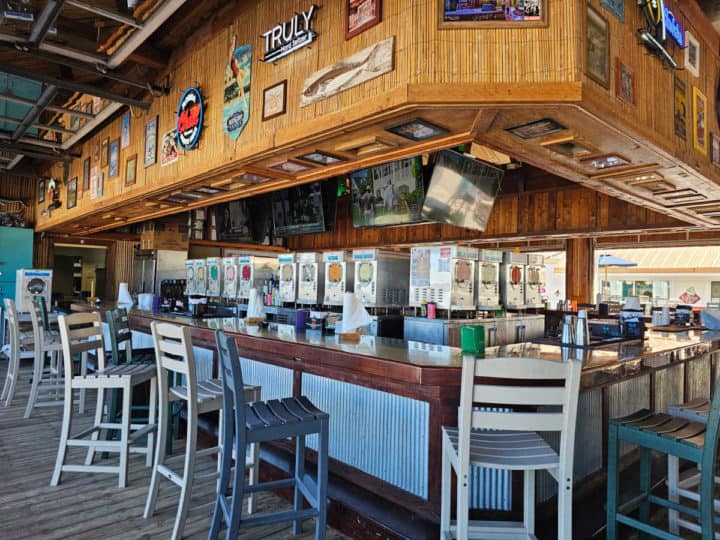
x=444 y=275
x=339 y=276
x=534 y=281
x=31 y=282
x=230 y=277
x=488 y=288
x=254 y=272
x=381 y=277
x=287 y=275
x=213 y=269
x=311 y=279
x=512 y=280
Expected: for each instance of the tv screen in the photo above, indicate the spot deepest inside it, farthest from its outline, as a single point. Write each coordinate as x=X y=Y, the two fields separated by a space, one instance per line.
x=298 y=210
x=387 y=194
x=245 y=220
x=462 y=191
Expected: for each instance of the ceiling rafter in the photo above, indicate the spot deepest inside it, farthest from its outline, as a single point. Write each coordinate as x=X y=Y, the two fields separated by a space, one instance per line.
x=45 y=21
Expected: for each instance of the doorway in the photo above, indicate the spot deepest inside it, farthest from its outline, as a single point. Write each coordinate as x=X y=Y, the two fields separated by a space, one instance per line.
x=80 y=271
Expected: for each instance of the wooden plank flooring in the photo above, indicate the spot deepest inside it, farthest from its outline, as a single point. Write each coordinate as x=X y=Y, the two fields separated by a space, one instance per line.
x=90 y=506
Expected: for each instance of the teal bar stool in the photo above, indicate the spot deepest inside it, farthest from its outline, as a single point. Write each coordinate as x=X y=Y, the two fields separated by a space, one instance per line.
x=676 y=437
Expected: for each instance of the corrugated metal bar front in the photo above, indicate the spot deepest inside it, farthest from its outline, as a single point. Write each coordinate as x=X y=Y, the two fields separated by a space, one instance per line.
x=276 y=381
x=626 y=398
x=698 y=372
x=668 y=387
x=490 y=489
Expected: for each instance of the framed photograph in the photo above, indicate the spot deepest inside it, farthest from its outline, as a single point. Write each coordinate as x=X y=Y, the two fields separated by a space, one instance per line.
x=680 y=108
x=536 y=128
x=274 y=100
x=361 y=15
x=114 y=168
x=104 y=152
x=322 y=158
x=125 y=130
x=616 y=7
x=417 y=129
x=151 y=142
x=131 y=170
x=608 y=161
x=96 y=152
x=94 y=183
x=290 y=166
x=86 y=175
x=715 y=149
x=597 y=48
x=699 y=121
x=72 y=193
x=625 y=89
x=253 y=178
x=41 y=191
x=504 y=13
x=101 y=184
x=169 y=148
x=570 y=148
x=692 y=54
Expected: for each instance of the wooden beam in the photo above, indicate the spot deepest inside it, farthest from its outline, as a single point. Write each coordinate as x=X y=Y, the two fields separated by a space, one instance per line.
x=579 y=269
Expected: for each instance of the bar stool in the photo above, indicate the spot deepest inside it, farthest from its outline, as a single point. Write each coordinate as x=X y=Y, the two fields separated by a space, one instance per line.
x=173 y=350
x=16 y=340
x=248 y=423
x=81 y=333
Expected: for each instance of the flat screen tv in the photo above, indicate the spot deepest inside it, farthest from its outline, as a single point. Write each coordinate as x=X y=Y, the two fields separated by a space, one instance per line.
x=462 y=191
x=387 y=194
x=298 y=210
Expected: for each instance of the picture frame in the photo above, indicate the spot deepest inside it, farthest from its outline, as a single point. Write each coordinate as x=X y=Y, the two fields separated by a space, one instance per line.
x=151 y=132
x=125 y=130
x=715 y=149
x=253 y=178
x=699 y=121
x=361 y=15
x=72 y=193
x=290 y=166
x=604 y=162
x=597 y=48
x=417 y=129
x=86 y=175
x=131 y=170
x=41 y=191
x=320 y=157
x=169 y=151
x=616 y=7
x=536 y=128
x=104 y=152
x=96 y=152
x=101 y=184
x=625 y=83
x=274 y=100
x=533 y=14
x=114 y=159
x=680 y=107
x=93 y=182
x=569 y=148
x=692 y=54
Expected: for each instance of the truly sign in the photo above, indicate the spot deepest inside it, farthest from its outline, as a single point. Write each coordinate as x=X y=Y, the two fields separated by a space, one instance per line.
x=289 y=36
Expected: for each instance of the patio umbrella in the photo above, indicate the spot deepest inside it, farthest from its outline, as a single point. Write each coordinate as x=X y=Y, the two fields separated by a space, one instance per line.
x=606 y=260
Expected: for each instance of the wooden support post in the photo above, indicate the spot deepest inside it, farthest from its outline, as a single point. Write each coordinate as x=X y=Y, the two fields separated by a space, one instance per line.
x=579 y=270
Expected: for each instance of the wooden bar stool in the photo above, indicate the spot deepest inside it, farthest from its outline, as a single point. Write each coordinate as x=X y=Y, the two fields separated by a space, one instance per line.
x=173 y=350
x=82 y=333
x=248 y=423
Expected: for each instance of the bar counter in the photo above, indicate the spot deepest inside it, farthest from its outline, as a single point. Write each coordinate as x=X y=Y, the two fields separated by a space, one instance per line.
x=388 y=398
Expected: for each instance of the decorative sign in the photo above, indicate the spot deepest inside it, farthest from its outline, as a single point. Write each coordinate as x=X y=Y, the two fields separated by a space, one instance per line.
x=236 y=97
x=672 y=27
x=660 y=22
x=189 y=118
x=288 y=37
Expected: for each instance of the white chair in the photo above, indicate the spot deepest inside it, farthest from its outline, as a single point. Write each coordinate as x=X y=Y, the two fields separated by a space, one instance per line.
x=508 y=440
x=13 y=350
x=174 y=357
x=82 y=333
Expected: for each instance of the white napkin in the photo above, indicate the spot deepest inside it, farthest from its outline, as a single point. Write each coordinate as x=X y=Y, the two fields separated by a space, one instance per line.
x=710 y=318
x=256 y=309
x=632 y=302
x=354 y=314
x=124 y=295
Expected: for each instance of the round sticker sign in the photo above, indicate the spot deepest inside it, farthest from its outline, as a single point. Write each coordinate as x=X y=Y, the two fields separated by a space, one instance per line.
x=189 y=118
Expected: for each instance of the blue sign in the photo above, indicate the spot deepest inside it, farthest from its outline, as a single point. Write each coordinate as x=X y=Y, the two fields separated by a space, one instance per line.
x=672 y=27
x=189 y=118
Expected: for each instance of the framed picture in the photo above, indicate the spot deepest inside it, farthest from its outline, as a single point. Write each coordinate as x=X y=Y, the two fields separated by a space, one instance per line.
x=361 y=15
x=715 y=149
x=290 y=166
x=680 y=108
x=605 y=162
x=464 y=14
x=151 y=142
x=125 y=130
x=699 y=121
x=114 y=168
x=86 y=175
x=417 y=129
x=625 y=89
x=93 y=182
x=130 y=170
x=104 y=152
x=41 y=191
x=169 y=148
x=253 y=178
x=72 y=193
x=616 y=7
x=274 y=100
x=692 y=54
x=536 y=128
x=322 y=158
x=597 y=48
x=96 y=152
x=570 y=148
x=101 y=184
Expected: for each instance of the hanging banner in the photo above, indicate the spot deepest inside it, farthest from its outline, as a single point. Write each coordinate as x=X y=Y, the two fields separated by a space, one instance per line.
x=236 y=97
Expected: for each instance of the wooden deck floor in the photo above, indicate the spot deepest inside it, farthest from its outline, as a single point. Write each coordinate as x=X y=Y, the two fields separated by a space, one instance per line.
x=88 y=506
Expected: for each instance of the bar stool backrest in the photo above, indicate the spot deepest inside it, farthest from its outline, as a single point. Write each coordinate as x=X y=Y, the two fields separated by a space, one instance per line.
x=42 y=306
x=711 y=431
x=81 y=333
x=36 y=316
x=174 y=355
x=231 y=375
x=12 y=322
x=119 y=330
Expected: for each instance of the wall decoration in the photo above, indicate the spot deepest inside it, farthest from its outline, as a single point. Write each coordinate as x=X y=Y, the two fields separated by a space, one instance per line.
x=361 y=15
x=101 y=184
x=625 y=89
x=125 y=130
x=322 y=158
x=94 y=183
x=605 y=162
x=417 y=129
x=104 y=152
x=699 y=121
x=597 y=48
x=616 y=7
x=72 y=193
x=114 y=167
x=189 y=118
x=169 y=148
x=715 y=149
x=289 y=36
x=96 y=152
x=75 y=120
x=41 y=191
x=290 y=166
x=536 y=128
x=274 y=100
x=690 y=296
x=356 y=69
x=680 y=108
x=86 y=175
x=151 y=142
x=253 y=178
x=97 y=104
x=466 y=14
x=131 y=170
x=660 y=23
x=53 y=194
x=692 y=54
x=236 y=97
x=569 y=148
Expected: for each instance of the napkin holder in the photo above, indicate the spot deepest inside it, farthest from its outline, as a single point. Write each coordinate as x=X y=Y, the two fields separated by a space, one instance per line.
x=349 y=337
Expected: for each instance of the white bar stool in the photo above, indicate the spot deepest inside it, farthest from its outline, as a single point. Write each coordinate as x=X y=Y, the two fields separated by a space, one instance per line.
x=14 y=342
